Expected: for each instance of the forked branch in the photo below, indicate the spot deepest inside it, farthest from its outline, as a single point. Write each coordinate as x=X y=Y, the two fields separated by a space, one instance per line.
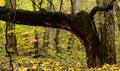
x=98 y=8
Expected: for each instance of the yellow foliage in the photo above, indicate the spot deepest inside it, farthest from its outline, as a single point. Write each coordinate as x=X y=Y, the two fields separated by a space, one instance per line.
x=2 y=3
x=11 y=31
x=23 y=69
x=93 y=1
x=34 y=66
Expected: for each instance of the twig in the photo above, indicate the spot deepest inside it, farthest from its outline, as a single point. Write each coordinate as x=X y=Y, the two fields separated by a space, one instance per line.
x=61 y=3
x=35 y=4
x=41 y=2
x=52 y=5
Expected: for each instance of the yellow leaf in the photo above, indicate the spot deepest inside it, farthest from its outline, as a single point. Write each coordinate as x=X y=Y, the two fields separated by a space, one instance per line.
x=2 y=2
x=23 y=69
x=34 y=66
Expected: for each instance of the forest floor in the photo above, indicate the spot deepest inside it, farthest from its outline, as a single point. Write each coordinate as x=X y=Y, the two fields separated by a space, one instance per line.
x=53 y=62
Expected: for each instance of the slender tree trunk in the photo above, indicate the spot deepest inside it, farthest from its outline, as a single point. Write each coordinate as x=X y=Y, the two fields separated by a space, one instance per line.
x=35 y=31
x=47 y=30
x=71 y=38
x=46 y=38
x=56 y=39
x=11 y=42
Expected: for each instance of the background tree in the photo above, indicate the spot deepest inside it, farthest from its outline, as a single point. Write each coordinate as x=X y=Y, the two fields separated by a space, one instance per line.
x=47 y=30
x=71 y=38
x=117 y=9
x=10 y=29
x=35 y=41
x=106 y=30
x=56 y=39
x=108 y=36
x=11 y=42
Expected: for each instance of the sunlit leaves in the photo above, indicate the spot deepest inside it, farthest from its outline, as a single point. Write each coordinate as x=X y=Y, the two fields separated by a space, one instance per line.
x=2 y=2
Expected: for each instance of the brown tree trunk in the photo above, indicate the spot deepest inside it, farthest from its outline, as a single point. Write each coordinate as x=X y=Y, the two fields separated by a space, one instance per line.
x=117 y=10
x=108 y=36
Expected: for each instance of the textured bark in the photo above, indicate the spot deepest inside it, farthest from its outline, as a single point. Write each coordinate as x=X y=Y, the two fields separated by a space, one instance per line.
x=80 y=24
x=117 y=9
x=108 y=36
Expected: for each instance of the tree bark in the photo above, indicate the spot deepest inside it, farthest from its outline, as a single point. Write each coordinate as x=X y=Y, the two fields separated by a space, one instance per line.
x=117 y=10
x=108 y=36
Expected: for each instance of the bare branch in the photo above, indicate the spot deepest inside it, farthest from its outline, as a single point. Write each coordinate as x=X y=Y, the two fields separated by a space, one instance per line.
x=40 y=3
x=35 y=4
x=98 y=8
x=52 y=5
x=61 y=3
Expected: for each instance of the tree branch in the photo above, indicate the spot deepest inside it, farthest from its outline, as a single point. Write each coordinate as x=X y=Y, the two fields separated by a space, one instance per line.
x=45 y=19
x=79 y=24
x=98 y=8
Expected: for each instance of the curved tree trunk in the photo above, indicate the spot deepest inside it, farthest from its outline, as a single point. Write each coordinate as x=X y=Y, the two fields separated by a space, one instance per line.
x=80 y=24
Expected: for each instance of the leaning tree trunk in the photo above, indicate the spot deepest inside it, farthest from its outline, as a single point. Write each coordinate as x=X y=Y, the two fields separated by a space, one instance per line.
x=108 y=36
x=11 y=42
x=80 y=24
